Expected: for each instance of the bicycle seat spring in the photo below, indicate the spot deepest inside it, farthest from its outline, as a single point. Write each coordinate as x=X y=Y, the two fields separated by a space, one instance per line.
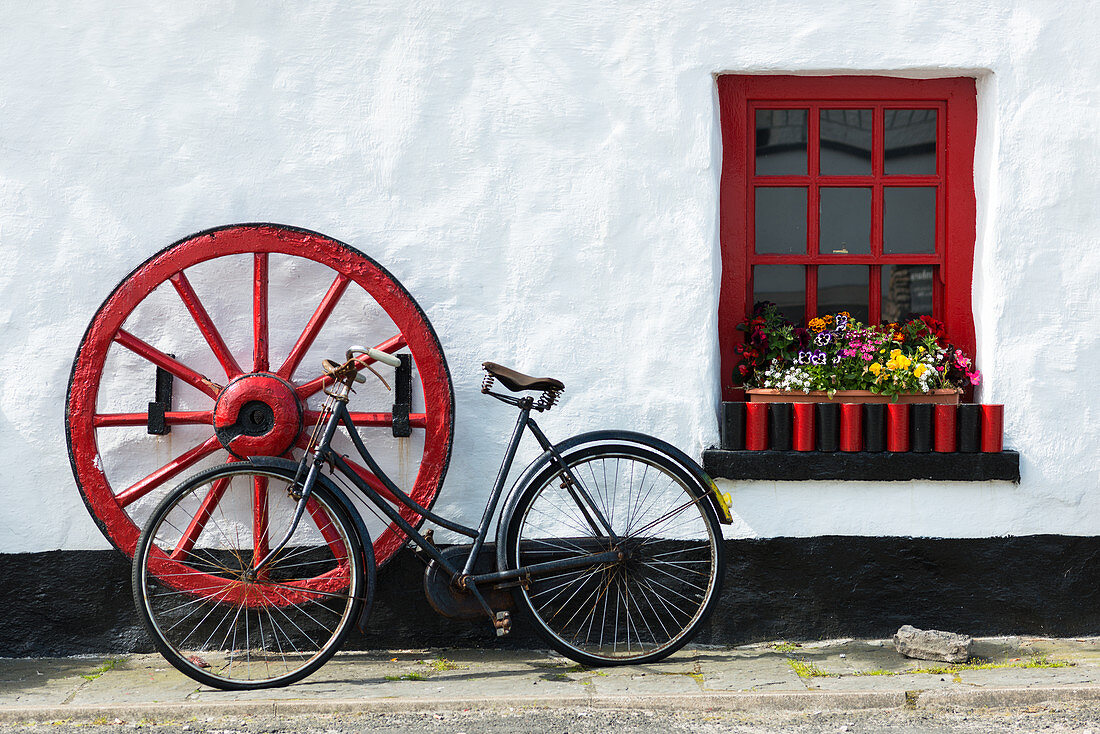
x=487 y=383
x=548 y=400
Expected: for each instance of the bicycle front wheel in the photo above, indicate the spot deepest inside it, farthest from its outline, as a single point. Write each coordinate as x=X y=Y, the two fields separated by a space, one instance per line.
x=215 y=618
x=642 y=607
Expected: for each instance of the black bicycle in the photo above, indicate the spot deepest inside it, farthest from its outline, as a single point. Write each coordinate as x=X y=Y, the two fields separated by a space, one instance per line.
x=251 y=574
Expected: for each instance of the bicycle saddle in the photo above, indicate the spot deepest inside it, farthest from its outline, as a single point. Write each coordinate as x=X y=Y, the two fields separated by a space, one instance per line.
x=517 y=381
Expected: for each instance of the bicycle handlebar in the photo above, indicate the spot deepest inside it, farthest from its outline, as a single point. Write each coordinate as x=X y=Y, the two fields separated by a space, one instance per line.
x=375 y=354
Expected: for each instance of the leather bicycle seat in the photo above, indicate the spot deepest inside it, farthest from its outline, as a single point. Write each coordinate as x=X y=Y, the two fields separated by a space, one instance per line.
x=518 y=382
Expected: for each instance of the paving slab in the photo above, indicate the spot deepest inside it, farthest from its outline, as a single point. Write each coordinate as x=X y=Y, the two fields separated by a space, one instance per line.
x=48 y=681
x=837 y=675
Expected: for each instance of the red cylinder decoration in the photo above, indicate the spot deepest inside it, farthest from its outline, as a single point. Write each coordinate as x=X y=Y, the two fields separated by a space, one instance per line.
x=897 y=427
x=851 y=427
x=993 y=422
x=756 y=426
x=945 y=429
x=803 y=439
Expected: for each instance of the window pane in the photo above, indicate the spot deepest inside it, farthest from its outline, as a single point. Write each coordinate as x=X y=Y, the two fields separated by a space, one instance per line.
x=909 y=220
x=845 y=225
x=844 y=288
x=780 y=220
x=906 y=289
x=846 y=142
x=783 y=285
x=910 y=142
x=781 y=142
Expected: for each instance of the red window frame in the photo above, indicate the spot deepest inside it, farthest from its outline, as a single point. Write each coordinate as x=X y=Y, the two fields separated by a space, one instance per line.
x=955 y=100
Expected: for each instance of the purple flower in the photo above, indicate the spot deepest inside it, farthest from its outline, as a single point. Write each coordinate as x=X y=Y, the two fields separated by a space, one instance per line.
x=823 y=338
x=818 y=357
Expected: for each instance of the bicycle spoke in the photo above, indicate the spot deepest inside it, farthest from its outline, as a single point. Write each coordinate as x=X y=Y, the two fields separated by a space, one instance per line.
x=651 y=601
x=262 y=630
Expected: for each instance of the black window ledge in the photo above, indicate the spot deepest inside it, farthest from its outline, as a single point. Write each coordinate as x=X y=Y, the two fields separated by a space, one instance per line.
x=862 y=466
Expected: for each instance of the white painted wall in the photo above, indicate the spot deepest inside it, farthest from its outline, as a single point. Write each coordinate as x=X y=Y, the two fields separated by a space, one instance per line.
x=543 y=177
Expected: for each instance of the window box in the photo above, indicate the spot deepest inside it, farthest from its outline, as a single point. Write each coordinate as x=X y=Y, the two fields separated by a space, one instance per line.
x=764 y=395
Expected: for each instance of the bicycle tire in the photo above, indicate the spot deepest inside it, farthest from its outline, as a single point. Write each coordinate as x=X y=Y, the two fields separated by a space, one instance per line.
x=644 y=607
x=195 y=600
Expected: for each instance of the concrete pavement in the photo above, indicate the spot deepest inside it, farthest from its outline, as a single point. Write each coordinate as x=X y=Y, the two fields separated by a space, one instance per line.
x=817 y=676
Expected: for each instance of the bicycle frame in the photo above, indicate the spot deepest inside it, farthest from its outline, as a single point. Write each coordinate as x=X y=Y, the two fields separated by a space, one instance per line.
x=337 y=414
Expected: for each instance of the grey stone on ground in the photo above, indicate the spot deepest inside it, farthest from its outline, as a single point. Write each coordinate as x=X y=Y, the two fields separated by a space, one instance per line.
x=947 y=647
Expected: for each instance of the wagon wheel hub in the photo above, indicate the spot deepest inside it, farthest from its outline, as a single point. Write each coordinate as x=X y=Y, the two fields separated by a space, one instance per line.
x=257 y=414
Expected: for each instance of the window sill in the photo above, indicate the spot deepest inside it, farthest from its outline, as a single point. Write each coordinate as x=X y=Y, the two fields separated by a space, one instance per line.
x=862 y=466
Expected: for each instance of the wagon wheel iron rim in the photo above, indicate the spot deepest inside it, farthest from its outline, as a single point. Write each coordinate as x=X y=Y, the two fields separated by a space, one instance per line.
x=257 y=408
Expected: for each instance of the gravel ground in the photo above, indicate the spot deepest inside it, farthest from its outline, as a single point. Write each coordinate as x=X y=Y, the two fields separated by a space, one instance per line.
x=1082 y=718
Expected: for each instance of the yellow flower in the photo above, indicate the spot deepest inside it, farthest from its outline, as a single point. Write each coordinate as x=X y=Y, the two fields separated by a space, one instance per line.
x=891 y=364
x=894 y=353
x=919 y=370
x=875 y=368
x=899 y=362
x=817 y=325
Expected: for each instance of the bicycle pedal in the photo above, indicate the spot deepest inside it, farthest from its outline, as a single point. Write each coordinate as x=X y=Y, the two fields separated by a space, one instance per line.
x=503 y=623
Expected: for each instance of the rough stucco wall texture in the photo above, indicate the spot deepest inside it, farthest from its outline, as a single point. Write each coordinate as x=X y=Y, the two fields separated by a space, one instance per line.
x=543 y=178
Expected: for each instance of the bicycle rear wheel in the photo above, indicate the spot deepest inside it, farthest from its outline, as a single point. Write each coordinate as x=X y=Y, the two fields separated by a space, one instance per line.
x=643 y=607
x=215 y=620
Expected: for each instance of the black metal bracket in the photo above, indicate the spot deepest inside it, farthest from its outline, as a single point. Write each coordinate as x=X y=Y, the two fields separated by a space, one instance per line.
x=162 y=403
x=402 y=397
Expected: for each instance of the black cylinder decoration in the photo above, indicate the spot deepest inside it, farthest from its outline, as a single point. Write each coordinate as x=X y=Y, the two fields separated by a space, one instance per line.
x=732 y=428
x=874 y=427
x=780 y=426
x=968 y=421
x=920 y=427
x=828 y=424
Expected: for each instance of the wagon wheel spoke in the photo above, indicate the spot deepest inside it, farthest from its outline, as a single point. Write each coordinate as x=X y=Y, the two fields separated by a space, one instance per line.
x=260 y=541
x=313 y=327
x=375 y=419
x=259 y=313
x=171 y=418
x=194 y=529
x=206 y=325
x=144 y=486
x=169 y=364
x=325 y=526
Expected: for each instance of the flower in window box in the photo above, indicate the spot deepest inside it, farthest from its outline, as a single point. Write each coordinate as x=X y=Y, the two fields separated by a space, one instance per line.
x=893 y=359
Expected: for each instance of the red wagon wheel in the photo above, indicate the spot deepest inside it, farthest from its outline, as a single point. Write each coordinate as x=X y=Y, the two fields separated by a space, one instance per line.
x=282 y=299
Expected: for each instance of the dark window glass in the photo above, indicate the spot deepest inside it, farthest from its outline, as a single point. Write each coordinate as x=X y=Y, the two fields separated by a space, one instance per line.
x=783 y=285
x=780 y=220
x=906 y=289
x=909 y=220
x=843 y=288
x=911 y=142
x=845 y=142
x=781 y=142
x=845 y=224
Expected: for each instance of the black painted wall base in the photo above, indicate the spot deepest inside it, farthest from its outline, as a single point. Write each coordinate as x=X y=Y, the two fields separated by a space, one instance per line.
x=73 y=602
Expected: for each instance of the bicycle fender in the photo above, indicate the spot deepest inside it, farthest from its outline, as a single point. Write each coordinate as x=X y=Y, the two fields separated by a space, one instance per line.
x=276 y=462
x=719 y=502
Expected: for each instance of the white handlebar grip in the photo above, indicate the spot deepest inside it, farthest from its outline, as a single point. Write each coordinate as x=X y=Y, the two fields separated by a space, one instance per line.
x=376 y=355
